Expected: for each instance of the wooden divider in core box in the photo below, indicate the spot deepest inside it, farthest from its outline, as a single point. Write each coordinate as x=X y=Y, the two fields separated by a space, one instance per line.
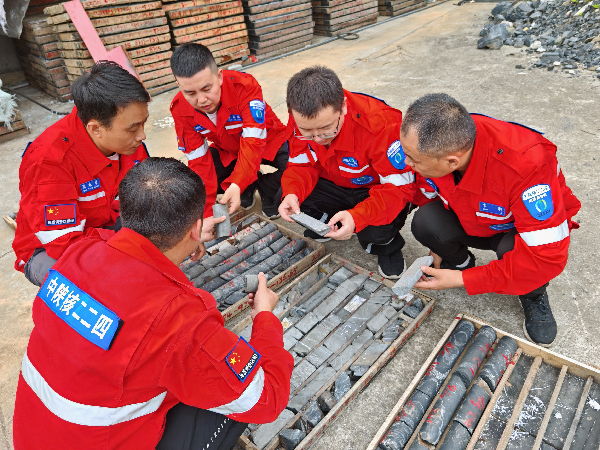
x=543 y=399
x=141 y=28
x=217 y=24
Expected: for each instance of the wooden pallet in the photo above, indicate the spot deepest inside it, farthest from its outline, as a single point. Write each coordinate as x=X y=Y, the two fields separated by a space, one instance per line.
x=282 y=32
x=401 y=9
x=565 y=364
x=339 y=20
x=286 y=40
x=285 y=18
x=340 y=7
x=334 y=30
x=344 y=12
x=13 y=135
x=336 y=262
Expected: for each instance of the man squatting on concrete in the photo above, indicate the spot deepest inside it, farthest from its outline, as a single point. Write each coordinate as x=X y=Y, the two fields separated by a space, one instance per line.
x=345 y=166
x=497 y=186
x=227 y=108
x=145 y=361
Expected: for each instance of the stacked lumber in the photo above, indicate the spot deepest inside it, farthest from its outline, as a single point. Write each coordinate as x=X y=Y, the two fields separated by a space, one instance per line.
x=217 y=24
x=397 y=7
x=37 y=50
x=141 y=28
x=13 y=129
x=277 y=27
x=333 y=17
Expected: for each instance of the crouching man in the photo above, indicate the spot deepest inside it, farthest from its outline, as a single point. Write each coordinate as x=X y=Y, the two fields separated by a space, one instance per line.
x=498 y=187
x=144 y=361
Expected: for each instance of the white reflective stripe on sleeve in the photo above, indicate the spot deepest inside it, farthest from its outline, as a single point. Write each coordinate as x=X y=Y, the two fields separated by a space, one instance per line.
x=346 y=169
x=259 y=133
x=443 y=199
x=489 y=216
x=557 y=168
x=547 y=235
x=314 y=155
x=205 y=131
x=429 y=195
x=89 y=198
x=198 y=153
x=47 y=236
x=231 y=127
x=398 y=179
x=247 y=400
x=78 y=413
x=300 y=159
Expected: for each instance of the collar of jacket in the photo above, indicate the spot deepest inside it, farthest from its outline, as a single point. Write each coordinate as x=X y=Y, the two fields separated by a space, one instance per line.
x=475 y=173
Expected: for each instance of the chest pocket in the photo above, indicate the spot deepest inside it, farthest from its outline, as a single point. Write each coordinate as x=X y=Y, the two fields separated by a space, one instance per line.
x=92 y=194
x=492 y=210
x=234 y=124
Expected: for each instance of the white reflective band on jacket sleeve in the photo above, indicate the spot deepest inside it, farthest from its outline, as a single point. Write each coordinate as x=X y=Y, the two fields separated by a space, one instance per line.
x=300 y=159
x=546 y=236
x=398 y=179
x=89 y=198
x=259 y=133
x=346 y=169
x=80 y=414
x=314 y=155
x=198 y=153
x=247 y=400
x=205 y=131
x=489 y=216
x=47 y=236
x=557 y=168
x=231 y=127
x=429 y=195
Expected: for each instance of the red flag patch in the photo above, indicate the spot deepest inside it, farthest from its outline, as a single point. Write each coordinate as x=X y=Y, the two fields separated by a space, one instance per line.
x=57 y=215
x=180 y=144
x=242 y=359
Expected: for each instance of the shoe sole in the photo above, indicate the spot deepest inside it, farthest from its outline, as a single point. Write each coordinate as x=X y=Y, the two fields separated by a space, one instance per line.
x=391 y=277
x=251 y=205
x=273 y=217
x=536 y=343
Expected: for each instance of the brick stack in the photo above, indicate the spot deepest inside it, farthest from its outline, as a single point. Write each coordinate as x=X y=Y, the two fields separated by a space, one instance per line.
x=141 y=28
x=397 y=7
x=37 y=50
x=218 y=24
x=333 y=17
x=14 y=129
x=277 y=27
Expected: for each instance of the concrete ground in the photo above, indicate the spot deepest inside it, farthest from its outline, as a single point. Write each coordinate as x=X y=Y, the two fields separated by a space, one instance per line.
x=431 y=51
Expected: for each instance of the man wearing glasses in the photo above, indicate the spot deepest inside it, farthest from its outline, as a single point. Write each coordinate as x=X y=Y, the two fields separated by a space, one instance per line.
x=346 y=166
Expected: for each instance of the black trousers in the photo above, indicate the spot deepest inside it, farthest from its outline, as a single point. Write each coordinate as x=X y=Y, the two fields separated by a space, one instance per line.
x=327 y=199
x=439 y=229
x=190 y=428
x=268 y=184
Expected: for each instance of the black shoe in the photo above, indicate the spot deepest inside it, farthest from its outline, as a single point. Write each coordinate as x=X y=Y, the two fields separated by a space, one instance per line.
x=539 y=325
x=391 y=266
x=464 y=266
x=315 y=237
x=269 y=208
x=247 y=198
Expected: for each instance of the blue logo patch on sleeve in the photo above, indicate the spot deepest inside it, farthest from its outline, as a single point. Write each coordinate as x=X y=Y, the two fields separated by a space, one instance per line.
x=432 y=184
x=538 y=201
x=257 y=108
x=90 y=186
x=366 y=179
x=234 y=118
x=492 y=209
x=79 y=310
x=503 y=226
x=242 y=359
x=350 y=162
x=395 y=154
x=199 y=128
x=180 y=144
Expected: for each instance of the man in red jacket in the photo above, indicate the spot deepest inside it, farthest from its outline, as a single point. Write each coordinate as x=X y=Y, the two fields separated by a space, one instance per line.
x=144 y=361
x=69 y=175
x=499 y=187
x=227 y=108
x=346 y=166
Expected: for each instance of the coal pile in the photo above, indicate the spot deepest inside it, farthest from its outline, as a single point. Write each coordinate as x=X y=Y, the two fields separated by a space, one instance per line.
x=565 y=34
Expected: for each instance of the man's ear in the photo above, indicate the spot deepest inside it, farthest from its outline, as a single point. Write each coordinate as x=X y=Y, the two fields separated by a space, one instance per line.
x=220 y=76
x=453 y=161
x=197 y=231
x=344 y=107
x=94 y=128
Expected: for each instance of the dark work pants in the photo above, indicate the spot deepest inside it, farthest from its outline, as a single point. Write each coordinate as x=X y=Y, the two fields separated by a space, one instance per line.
x=439 y=229
x=268 y=184
x=327 y=199
x=190 y=428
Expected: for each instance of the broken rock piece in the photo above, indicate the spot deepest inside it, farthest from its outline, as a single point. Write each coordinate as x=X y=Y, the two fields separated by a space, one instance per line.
x=411 y=276
x=222 y=229
x=311 y=223
x=251 y=283
x=290 y=438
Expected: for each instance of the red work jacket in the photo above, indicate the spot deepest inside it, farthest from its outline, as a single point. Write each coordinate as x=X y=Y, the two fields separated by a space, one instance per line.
x=247 y=131
x=365 y=154
x=513 y=181
x=67 y=188
x=171 y=347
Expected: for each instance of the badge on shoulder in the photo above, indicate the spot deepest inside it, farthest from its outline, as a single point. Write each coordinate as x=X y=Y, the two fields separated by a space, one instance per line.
x=538 y=201
x=257 y=108
x=242 y=359
x=56 y=215
x=395 y=154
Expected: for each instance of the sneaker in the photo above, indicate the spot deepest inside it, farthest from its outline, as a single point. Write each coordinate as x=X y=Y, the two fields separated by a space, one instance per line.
x=391 y=266
x=539 y=325
x=247 y=197
x=315 y=237
x=469 y=263
x=269 y=208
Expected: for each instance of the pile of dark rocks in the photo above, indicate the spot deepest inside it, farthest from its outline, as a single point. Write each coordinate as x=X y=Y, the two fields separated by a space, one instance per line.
x=566 y=34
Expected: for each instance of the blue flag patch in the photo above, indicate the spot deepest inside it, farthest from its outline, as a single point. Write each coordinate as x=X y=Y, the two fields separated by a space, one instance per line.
x=257 y=108
x=90 y=186
x=199 y=128
x=432 y=184
x=350 y=162
x=180 y=144
x=502 y=226
x=492 y=209
x=79 y=310
x=242 y=359
x=538 y=201
x=366 y=179
x=395 y=154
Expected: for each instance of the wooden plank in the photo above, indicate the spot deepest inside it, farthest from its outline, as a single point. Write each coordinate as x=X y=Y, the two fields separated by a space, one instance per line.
x=164 y=88
x=142 y=52
x=578 y=412
x=153 y=66
x=281 y=51
x=279 y=19
x=146 y=76
x=75 y=54
x=199 y=28
x=15 y=134
x=203 y=9
x=132 y=36
x=113 y=20
x=188 y=4
x=206 y=17
x=148 y=41
x=110 y=11
x=130 y=26
x=288 y=39
x=71 y=46
x=287 y=31
x=246 y=444
x=401 y=10
x=540 y=434
x=302 y=41
x=85 y=63
x=222 y=60
x=329 y=3
x=86 y=4
x=229 y=44
x=320 y=22
x=140 y=61
x=230 y=50
x=210 y=33
x=47 y=63
x=279 y=12
x=344 y=12
x=331 y=9
x=280 y=26
x=224 y=38
x=15 y=126
x=76 y=70
x=278 y=4
x=10 y=222
x=333 y=30
x=158 y=81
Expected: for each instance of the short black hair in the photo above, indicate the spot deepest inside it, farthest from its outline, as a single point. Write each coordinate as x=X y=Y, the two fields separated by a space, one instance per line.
x=189 y=59
x=313 y=89
x=161 y=199
x=442 y=124
x=107 y=88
